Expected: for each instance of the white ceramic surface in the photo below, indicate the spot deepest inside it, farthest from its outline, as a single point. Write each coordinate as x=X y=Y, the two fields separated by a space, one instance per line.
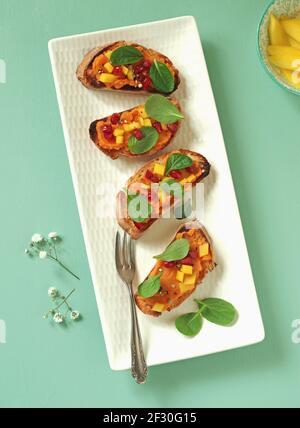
x=232 y=280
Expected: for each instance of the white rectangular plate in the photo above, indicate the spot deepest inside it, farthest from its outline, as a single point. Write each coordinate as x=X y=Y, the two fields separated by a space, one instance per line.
x=91 y=170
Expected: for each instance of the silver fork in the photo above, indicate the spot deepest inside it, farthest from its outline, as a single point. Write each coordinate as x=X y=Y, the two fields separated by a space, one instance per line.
x=125 y=264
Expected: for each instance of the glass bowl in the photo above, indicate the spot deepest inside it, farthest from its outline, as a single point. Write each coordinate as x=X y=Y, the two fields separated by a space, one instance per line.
x=290 y=8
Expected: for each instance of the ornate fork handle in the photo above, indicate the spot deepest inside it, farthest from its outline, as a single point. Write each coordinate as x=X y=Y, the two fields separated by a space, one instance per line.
x=138 y=363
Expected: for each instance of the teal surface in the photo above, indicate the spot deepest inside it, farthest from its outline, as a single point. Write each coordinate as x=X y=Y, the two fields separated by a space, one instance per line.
x=42 y=365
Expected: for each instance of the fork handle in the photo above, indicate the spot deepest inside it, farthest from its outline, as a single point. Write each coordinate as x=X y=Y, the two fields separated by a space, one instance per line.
x=139 y=368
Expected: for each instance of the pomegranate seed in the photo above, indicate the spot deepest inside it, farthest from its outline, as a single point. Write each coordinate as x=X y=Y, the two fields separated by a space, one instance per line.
x=193 y=254
x=147 y=82
x=192 y=169
x=157 y=126
x=108 y=135
x=152 y=177
x=140 y=226
x=138 y=134
x=118 y=71
x=187 y=261
x=175 y=174
x=147 y=64
x=138 y=68
x=107 y=129
x=169 y=264
x=173 y=127
x=115 y=118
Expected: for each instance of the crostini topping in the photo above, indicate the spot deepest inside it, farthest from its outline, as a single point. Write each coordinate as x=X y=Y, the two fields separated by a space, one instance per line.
x=158 y=127
x=150 y=287
x=162 y=109
x=177 y=161
x=175 y=251
x=175 y=174
x=152 y=177
x=146 y=143
x=115 y=118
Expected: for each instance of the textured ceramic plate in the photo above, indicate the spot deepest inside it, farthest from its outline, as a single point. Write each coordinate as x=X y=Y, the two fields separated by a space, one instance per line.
x=279 y=8
x=232 y=280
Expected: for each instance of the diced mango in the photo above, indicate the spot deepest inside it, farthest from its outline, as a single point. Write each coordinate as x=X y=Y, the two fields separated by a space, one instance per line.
x=125 y=70
x=292 y=78
x=119 y=132
x=128 y=127
x=147 y=122
x=185 y=287
x=294 y=43
x=276 y=32
x=141 y=121
x=179 y=276
x=143 y=113
x=164 y=127
x=159 y=169
x=289 y=62
x=119 y=140
x=189 y=279
x=203 y=250
x=108 y=54
x=191 y=178
x=187 y=269
x=108 y=67
x=107 y=78
x=183 y=181
x=283 y=50
x=158 y=307
x=292 y=28
x=130 y=75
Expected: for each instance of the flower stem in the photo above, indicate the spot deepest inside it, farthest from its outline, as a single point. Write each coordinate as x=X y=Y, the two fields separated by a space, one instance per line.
x=63 y=266
x=64 y=300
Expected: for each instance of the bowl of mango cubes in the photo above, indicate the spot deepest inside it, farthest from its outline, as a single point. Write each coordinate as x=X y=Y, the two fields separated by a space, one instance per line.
x=279 y=43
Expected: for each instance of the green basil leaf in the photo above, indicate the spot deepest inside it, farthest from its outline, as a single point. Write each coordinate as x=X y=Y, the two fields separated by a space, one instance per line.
x=162 y=110
x=125 y=55
x=218 y=311
x=178 y=161
x=161 y=77
x=189 y=324
x=138 y=208
x=150 y=287
x=176 y=251
x=150 y=138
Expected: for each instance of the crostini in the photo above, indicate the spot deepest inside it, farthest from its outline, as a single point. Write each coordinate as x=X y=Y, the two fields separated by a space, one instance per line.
x=178 y=167
x=177 y=272
x=133 y=133
x=129 y=67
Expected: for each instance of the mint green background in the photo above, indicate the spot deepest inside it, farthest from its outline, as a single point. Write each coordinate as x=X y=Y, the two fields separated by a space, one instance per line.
x=43 y=365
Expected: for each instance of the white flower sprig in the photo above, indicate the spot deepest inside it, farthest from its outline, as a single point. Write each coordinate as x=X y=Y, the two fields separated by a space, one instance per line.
x=60 y=301
x=46 y=248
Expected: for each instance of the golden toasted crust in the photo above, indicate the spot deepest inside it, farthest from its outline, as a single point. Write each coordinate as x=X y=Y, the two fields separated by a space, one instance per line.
x=81 y=71
x=115 y=154
x=142 y=302
x=127 y=223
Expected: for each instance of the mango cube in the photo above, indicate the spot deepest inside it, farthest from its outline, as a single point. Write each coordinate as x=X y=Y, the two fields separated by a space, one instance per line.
x=292 y=28
x=130 y=75
x=143 y=113
x=147 y=122
x=204 y=250
x=294 y=43
x=276 y=32
x=180 y=276
x=158 y=307
x=191 y=178
x=125 y=70
x=107 y=78
x=183 y=181
x=189 y=279
x=128 y=127
x=159 y=169
x=120 y=140
x=289 y=62
x=119 y=132
x=108 y=67
x=141 y=121
x=185 y=287
x=187 y=269
x=108 y=54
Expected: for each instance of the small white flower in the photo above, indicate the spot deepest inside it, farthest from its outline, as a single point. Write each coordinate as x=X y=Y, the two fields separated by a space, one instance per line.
x=74 y=315
x=43 y=254
x=26 y=251
x=36 y=238
x=58 y=318
x=52 y=235
x=52 y=292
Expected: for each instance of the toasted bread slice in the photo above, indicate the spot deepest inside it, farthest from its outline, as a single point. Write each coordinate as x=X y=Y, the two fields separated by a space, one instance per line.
x=94 y=64
x=129 y=121
x=177 y=286
x=146 y=176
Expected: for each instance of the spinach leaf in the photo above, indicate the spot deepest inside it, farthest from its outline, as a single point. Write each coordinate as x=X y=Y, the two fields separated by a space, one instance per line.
x=150 y=138
x=162 y=110
x=217 y=311
x=176 y=251
x=189 y=324
x=138 y=207
x=150 y=286
x=178 y=161
x=125 y=55
x=161 y=77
